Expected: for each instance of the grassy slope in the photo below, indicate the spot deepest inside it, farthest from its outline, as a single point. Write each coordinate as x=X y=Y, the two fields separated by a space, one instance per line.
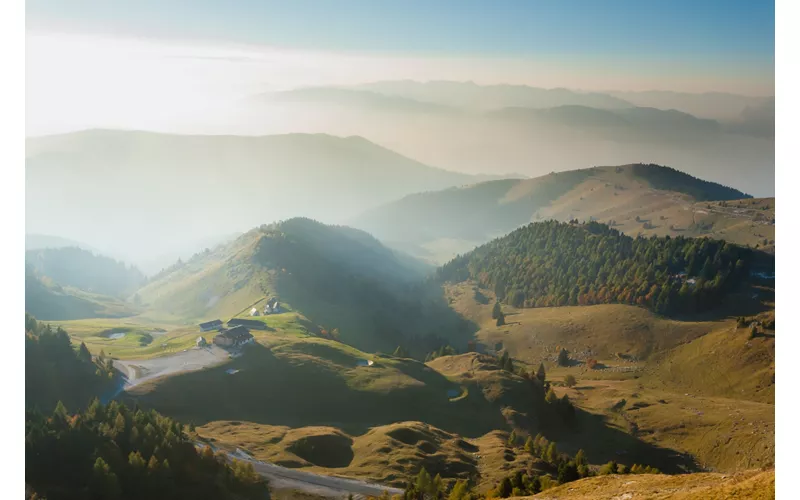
x=335 y=277
x=440 y=224
x=695 y=387
x=50 y=302
x=301 y=380
x=753 y=484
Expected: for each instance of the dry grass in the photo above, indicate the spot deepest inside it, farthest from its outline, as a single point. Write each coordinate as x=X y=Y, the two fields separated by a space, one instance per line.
x=701 y=388
x=751 y=485
x=620 y=197
x=389 y=454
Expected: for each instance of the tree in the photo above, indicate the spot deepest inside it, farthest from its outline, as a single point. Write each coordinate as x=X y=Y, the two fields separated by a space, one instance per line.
x=496 y=310
x=570 y=381
x=529 y=446
x=512 y=439
x=568 y=472
x=504 y=488
x=535 y=485
x=424 y=481
x=580 y=458
x=501 y=319
x=609 y=468
x=84 y=354
x=551 y=397
x=437 y=486
x=540 y=374
x=460 y=490
x=400 y=352
x=509 y=365
x=551 y=454
x=563 y=357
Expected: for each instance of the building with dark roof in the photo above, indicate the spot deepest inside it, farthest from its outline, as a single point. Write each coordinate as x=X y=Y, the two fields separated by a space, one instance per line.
x=211 y=325
x=235 y=336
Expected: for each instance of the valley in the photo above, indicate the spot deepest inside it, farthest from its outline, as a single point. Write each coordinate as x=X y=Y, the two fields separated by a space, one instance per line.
x=377 y=365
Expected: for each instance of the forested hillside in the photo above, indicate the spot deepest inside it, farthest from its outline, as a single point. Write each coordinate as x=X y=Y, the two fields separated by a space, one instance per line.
x=112 y=452
x=108 y=452
x=55 y=370
x=555 y=264
x=79 y=268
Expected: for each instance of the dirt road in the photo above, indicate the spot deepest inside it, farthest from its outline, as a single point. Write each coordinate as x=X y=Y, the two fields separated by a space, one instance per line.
x=197 y=358
x=316 y=484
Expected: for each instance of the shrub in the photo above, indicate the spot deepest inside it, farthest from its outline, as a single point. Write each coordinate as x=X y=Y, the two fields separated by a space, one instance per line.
x=570 y=381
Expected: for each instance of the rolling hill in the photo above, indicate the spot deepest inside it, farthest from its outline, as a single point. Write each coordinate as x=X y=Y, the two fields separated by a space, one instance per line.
x=504 y=128
x=703 y=386
x=646 y=199
x=337 y=277
x=51 y=302
x=556 y=264
x=82 y=269
x=144 y=194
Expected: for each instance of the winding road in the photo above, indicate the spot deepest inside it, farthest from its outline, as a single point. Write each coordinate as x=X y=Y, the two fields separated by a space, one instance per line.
x=138 y=371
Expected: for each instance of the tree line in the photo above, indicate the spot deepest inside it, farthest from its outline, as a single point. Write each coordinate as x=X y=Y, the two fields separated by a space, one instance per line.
x=55 y=370
x=109 y=452
x=112 y=452
x=547 y=264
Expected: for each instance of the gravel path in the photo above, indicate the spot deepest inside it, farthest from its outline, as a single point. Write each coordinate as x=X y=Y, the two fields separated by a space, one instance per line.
x=317 y=484
x=196 y=358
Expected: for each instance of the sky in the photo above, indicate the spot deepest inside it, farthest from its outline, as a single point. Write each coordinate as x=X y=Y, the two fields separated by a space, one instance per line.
x=148 y=63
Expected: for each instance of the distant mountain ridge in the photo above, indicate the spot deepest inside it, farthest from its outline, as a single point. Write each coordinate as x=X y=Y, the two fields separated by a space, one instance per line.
x=468 y=216
x=463 y=126
x=147 y=192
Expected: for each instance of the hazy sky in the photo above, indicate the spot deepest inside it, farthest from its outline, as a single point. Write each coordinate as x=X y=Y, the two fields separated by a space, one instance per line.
x=153 y=63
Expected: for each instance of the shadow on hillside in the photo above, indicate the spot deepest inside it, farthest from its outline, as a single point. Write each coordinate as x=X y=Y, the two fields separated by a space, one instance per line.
x=279 y=391
x=375 y=318
x=602 y=443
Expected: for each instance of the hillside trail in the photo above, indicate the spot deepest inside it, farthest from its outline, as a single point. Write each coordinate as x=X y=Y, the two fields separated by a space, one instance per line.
x=309 y=482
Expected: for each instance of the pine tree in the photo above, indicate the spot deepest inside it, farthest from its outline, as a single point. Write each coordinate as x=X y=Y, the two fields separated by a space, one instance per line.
x=551 y=454
x=460 y=490
x=512 y=439
x=504 y=488
x=509 y=365
x=568 y=472
x=580 y=458
x=496 y=310
x=423 y=481
x=529 y=447
x=540 y=374
x=563 y=357
x=437 y=486
x=501 y=319
x=84 y=354
x=536 y=485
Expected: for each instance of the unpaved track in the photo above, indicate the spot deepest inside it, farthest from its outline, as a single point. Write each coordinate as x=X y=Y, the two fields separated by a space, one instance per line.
x=197 y=358
x=317 y=484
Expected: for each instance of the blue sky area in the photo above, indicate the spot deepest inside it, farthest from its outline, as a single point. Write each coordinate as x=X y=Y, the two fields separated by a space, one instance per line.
x=728 y=29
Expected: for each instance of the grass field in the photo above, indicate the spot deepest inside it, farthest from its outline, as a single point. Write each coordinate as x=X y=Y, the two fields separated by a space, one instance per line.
x=751 y=485
x=389 y=454
x=701 y=388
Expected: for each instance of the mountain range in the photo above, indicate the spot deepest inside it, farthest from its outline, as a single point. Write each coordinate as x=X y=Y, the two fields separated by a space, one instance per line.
x=140 y=195
x=475 y=128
